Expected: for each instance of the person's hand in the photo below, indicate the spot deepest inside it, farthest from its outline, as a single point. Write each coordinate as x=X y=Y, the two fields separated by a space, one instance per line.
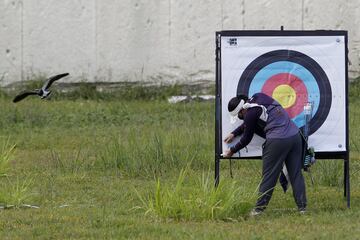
x=227 y=153
x=229 y=138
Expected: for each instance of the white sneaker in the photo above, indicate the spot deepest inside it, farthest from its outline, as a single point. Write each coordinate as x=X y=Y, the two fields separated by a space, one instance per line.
x=302 y=211
x=255 y=212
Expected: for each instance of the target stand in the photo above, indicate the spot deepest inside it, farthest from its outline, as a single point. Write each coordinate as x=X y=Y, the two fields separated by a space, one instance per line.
x=295 y=68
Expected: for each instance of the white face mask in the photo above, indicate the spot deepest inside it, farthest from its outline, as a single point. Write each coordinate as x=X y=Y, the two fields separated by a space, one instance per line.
x=234 y=113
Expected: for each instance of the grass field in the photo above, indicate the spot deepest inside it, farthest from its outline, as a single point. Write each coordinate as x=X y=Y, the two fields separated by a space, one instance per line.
x=143 y=169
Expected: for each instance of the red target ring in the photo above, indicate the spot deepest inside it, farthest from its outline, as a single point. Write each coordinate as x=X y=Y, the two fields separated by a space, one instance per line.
x=289 y=89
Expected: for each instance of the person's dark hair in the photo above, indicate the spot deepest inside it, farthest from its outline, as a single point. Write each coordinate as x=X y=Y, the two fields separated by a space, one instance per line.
x=235 y=101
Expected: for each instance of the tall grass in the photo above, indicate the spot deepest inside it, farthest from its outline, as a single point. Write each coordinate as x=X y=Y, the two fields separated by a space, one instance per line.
x=6 y=154
x=13 y=190
x=156 y=153
x=328 y=173
x=138 y=138
x=124 y=91
x=185 y=200
x=77 y=161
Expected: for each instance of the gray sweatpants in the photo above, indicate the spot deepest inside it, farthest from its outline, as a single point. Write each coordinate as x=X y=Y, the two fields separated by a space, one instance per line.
x=275 y=153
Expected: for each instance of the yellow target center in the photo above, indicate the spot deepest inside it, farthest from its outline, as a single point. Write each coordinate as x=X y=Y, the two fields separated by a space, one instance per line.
x=285 y=95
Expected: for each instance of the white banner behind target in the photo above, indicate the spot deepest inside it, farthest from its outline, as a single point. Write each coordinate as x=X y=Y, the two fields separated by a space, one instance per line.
x=314 y=73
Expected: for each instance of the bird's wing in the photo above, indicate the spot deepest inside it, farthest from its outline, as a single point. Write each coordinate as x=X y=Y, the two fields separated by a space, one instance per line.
x=23 y=95
x=52 y=79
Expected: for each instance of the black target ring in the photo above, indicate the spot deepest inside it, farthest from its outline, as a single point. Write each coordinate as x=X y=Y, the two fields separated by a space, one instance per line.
x=322 y=81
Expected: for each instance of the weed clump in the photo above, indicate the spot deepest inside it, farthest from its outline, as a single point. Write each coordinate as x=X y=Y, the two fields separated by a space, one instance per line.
x=198 y=201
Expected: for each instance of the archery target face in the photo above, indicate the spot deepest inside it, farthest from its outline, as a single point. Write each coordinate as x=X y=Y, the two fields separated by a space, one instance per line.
x=294 y=70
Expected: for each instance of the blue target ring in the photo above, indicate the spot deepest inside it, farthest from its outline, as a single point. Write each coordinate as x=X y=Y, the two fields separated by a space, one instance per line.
x=270 y=64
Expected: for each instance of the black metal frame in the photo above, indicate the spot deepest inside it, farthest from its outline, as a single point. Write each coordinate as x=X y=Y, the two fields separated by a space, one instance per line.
x=218 y=121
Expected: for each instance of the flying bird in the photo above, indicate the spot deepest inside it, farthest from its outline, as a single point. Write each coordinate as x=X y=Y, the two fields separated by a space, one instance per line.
x=43 y=92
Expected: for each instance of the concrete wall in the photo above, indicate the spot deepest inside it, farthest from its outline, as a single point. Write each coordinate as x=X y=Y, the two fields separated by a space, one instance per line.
x=148 y=40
